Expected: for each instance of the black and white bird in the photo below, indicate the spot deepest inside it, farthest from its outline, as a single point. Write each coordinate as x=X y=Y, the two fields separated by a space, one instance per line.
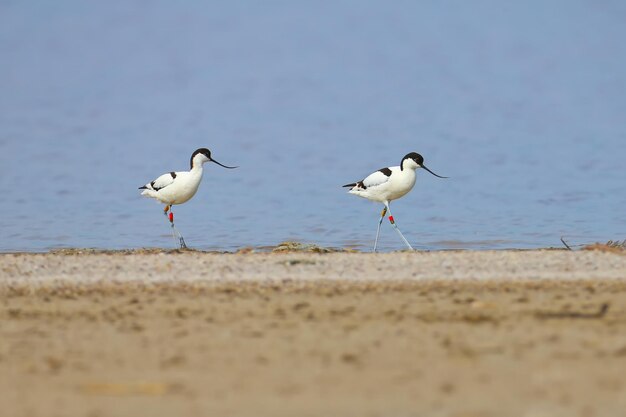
x=389 y=184
x=178 y=187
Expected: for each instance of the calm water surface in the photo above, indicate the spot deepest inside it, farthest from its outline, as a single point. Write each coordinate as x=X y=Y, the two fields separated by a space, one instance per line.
x=523 y=105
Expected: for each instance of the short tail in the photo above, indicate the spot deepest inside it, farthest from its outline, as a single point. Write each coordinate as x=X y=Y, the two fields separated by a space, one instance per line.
x=148 y=190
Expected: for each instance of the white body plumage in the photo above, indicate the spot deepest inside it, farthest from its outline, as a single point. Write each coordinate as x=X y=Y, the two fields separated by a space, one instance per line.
x=386 y=184
x=175 y=187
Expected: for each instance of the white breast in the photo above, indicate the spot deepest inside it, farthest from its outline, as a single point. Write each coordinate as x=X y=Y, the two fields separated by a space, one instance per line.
x=183 y=188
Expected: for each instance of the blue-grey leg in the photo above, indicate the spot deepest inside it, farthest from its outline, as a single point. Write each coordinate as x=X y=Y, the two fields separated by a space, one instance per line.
x=175 y=233
x=395 y=226
x=382 y=216
x=180 y=238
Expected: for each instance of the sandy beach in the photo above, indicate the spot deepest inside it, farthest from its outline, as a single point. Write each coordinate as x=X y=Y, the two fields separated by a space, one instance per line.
x=458 y=333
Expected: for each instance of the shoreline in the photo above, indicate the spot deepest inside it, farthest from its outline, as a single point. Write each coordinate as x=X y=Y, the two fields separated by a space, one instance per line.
x=154 y=266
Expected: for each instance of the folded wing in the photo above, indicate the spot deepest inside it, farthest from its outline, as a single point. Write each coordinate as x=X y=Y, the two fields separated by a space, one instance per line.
x=161 y=182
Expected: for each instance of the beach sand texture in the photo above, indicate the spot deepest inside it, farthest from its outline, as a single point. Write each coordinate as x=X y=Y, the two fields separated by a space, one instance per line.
x=150 y=333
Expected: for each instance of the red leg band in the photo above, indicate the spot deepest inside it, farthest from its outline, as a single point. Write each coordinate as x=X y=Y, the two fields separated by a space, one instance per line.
x=391 y=220
x=171 y=217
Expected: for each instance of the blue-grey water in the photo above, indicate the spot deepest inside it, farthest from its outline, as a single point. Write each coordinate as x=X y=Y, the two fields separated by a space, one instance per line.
x=522 y=104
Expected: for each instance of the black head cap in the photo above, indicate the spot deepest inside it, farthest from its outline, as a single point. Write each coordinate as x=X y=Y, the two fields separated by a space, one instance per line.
x=419 y=160
x=203 y=151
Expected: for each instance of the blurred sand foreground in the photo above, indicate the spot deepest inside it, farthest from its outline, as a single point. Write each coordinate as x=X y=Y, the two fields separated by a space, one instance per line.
x=504 y=333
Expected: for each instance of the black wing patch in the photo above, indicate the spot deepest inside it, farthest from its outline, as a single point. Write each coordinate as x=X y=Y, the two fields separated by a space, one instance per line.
x=173 y=174
x=385 y=171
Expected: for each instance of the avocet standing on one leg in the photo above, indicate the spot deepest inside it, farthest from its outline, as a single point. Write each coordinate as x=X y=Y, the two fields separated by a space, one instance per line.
x=389 y=184
x=178 y=187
